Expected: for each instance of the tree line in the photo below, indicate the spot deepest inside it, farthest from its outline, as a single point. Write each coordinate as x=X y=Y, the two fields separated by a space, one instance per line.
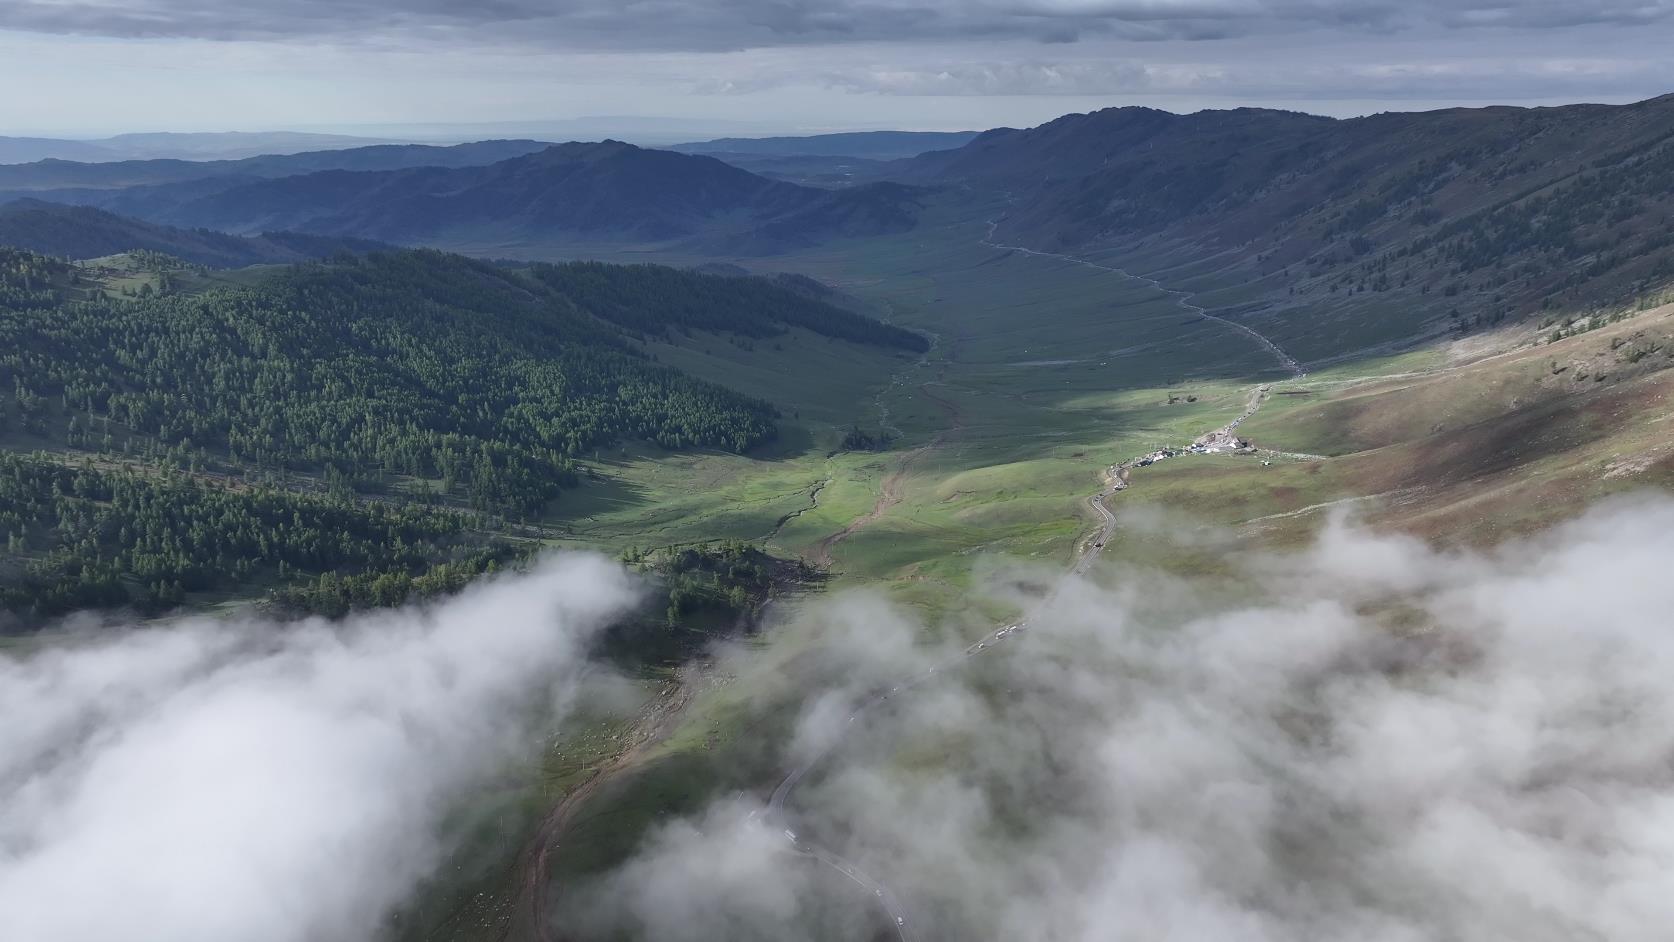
x=83 y=537
x=416 y=364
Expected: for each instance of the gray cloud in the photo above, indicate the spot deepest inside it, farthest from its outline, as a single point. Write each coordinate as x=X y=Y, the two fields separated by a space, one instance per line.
x=1241 y=77
x=740 y=24
x=270 y=783
x=1367 y=740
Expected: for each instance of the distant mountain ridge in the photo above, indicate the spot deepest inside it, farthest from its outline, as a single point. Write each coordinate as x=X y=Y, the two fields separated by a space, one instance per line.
x=174 y=145
x=603 y=190
x=53 y=174
x=872 y=145
x=81 y=232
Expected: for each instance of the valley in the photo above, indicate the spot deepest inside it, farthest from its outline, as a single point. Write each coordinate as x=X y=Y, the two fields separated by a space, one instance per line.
x=867 y=448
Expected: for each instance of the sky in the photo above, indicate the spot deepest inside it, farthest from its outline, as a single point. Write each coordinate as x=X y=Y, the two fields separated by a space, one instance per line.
x=450 y=69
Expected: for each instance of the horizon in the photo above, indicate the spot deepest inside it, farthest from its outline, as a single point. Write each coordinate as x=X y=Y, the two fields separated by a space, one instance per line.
x=857 y=64
x=658 y=130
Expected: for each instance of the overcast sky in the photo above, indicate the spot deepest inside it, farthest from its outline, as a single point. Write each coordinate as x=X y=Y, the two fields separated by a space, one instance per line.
x=101 y=66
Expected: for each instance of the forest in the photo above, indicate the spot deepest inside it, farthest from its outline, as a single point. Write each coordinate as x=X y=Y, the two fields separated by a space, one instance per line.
x=82 y=537
x=415 y=365
x=347 y=433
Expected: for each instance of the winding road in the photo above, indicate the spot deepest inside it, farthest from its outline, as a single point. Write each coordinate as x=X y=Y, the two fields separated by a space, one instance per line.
x=777 y=816
x=1285 y=359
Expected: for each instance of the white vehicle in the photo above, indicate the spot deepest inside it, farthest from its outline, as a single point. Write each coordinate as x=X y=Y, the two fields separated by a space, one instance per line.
x=899 y=921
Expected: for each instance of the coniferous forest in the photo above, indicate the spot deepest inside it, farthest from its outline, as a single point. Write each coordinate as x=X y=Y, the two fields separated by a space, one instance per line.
x=344 y=433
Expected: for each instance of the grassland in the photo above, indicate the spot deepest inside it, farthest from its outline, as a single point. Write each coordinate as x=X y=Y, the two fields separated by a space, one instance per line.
x=1043 y=373
x=1463 y=450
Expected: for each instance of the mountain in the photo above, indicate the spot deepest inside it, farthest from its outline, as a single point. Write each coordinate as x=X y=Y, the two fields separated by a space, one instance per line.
x=227 y=144
x=17 y=150
x=1410 y=223
x=337 y=420
x=872 y=145
x=827 y=172
x=178 y=146
x=52 y=174
x=605 y=190
x=84 y=232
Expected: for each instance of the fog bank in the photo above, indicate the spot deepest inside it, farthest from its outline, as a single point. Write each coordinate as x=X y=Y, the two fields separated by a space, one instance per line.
x=270 y=782
x=1381 y=742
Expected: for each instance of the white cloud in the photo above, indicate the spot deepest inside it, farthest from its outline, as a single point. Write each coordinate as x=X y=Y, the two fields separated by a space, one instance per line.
x=1382 y=742
x=270 y=782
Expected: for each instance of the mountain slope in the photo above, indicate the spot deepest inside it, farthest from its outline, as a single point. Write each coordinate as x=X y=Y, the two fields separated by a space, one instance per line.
x=84 y=232
x=1336 y=234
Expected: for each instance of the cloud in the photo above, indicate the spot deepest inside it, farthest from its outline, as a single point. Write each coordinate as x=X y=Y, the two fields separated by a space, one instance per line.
x=1239 y=78
x=742 y=24
x=1373 y=740
x=271 y=782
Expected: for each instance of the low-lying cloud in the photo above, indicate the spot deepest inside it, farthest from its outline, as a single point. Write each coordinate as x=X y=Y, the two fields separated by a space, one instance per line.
x=271 y=782
x=1375 y=740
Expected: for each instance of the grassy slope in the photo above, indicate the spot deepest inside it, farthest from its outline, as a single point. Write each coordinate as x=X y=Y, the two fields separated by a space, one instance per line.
x=1456 y=452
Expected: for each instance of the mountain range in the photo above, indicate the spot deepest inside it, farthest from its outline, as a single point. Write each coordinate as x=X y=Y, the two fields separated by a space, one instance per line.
x=52 y=174
x=871 y=145
x=608 y=190
x=173 y=145
x=1467 y=213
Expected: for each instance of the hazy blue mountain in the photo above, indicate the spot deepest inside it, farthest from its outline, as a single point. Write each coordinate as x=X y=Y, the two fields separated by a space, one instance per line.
x=876 y=145
x=55 y=174
x=17 y=150
x=604 y=190
x=219 y=145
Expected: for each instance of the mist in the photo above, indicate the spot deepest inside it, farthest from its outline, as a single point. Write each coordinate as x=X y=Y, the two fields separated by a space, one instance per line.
x=269 y=782
x=1368 y=739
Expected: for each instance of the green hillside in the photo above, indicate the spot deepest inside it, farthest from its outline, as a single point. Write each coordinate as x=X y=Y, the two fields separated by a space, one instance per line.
x=423 y=407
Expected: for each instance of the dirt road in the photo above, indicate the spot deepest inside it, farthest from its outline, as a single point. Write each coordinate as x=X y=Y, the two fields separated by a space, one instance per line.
x=894 y=484
x=529 y=920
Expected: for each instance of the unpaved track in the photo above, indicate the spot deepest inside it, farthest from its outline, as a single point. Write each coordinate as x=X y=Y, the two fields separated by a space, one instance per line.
x=533 y=883
x=894 y=484
x=1285 y=359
